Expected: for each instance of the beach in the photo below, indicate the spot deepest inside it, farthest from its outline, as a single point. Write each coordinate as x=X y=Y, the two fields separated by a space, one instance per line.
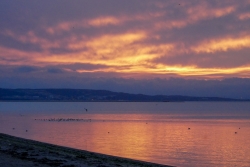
x=15 y=151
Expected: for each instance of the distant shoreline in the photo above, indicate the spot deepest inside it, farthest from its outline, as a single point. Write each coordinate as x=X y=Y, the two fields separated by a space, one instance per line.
x=88 y=95
x=17 y=151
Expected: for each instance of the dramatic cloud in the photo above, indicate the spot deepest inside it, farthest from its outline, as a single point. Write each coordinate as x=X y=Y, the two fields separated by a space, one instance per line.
x=140 y=39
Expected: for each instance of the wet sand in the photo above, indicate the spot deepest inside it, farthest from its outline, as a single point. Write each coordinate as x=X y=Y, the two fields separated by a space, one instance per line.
x=15 y=151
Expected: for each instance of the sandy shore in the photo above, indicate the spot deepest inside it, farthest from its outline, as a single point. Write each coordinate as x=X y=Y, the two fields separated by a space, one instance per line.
x=15 y=151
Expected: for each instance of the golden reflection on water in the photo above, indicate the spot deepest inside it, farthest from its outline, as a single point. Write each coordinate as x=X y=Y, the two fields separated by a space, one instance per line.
x=139 y=136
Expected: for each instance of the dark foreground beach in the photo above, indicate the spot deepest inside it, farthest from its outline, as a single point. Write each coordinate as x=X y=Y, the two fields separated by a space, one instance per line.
x=15 y=151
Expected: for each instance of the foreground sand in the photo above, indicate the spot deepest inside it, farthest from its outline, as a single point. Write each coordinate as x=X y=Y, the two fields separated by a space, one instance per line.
x=15 y=151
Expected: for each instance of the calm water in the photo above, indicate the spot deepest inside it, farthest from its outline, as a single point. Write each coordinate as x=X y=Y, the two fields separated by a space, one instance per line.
x=155 y=132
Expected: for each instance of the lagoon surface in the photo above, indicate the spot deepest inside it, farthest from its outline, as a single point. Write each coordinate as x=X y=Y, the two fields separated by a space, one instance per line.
x=180 y=134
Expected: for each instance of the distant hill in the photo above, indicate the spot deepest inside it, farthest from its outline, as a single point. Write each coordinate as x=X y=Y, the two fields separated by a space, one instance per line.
x=95 y=96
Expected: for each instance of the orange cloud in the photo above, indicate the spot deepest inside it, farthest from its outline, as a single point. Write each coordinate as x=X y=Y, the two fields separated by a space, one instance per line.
x=244 y=16
x=95 y=22
x=195 y=14
x=204 y=11
x=107 y=43
x=223 y=44
x=201 y=72
x=32 y=38
x=120 y=49
x=102 y=21
x=107 y=47
x=142 y=65
x=12 y=56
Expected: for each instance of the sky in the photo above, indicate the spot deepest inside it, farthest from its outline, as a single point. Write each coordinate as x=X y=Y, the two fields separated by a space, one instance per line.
x=171 y=47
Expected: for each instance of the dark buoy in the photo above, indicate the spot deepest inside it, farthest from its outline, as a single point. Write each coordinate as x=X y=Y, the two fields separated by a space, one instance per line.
x=188 y=128
x=235 y=132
